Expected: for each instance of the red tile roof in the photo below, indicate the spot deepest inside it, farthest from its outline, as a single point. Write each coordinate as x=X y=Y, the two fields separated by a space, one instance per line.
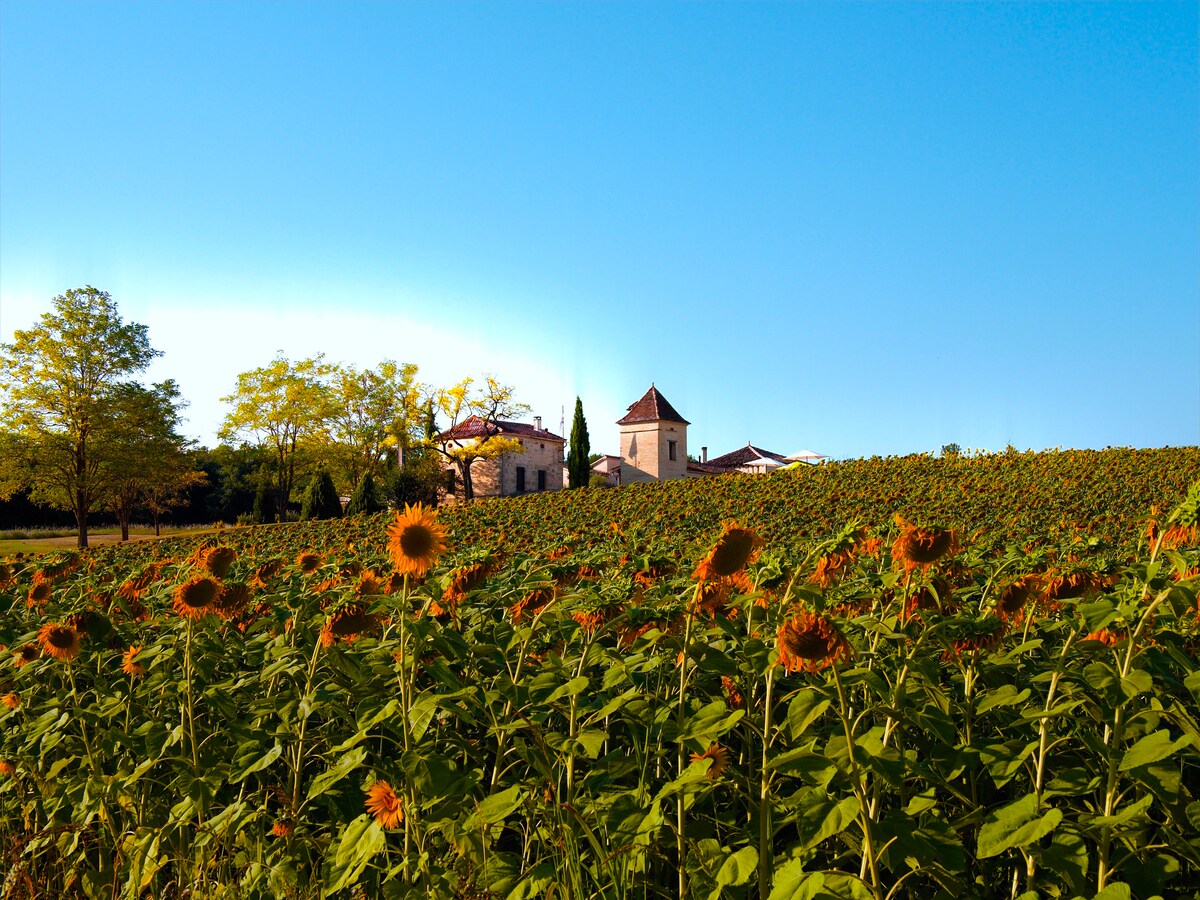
x=744 y=455
x=475 y=427
x=708 y=468
x=653 y=407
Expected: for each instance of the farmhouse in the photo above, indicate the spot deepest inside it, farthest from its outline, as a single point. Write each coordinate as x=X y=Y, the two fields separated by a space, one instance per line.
x=653 y=448
x=539 y=467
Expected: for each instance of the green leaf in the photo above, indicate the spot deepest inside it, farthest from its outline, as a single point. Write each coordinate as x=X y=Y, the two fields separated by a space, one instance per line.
x=570 y=689
x=421 y=715
x=247 y=764
x=339 y=770
x=1117 y=891
x=1015 y=825
x=805 y=709
x=791 y=882
x=494 y=809
x=1005 y=695
x=1128 y=812
x=361 y=840
x=591 y=742
x=737 y=868
x=1153 y=747
x=819 y=816
x=710 y=723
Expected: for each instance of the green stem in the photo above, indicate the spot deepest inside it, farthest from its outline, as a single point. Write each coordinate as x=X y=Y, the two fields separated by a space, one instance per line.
x=765 y=860
x=859 y=787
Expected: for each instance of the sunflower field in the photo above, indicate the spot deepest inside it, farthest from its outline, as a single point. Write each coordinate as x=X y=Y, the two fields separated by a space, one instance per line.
x=899 y=678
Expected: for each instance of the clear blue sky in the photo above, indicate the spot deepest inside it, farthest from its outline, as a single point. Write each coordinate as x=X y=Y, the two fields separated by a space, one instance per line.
x=858 y=229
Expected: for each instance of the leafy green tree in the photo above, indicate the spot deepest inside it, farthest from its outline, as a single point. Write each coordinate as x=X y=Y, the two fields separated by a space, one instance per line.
x=366 y=498
x=321 y=500
x=419 y=480
x=579 y=470
x=60 y=381
x=264 y=503
x=150 y=467
x=280 y=406
x=489 y=403
x=370 y=412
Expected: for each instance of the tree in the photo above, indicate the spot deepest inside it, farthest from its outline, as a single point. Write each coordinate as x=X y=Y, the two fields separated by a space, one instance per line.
x=489 y=404
x=60 y=380
x=579 y=470
x=150 y=466
x=264 y=503
x=279 y=406
x=370 y=412
x=366 y=498
x=321 y=500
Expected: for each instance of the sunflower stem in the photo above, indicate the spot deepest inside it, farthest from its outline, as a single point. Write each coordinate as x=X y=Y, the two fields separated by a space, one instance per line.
x=765 y=861
x=859 y=791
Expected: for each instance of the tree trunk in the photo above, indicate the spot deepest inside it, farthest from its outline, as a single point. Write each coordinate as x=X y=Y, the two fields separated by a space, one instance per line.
x=123 y=518
x=468 y=487
x=81 y=519
x=157 y=530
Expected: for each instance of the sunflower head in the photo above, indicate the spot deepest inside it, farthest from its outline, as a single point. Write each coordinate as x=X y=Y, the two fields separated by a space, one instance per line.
x=415 y=540
x=39 y=593
x=59 y=641
x=719 y=757
x=282 y=829
x=308 y=562
x=1015 y=595
x=920 y=546
x=810 y=642
x=197 y=597
x=129 y=664
x=217 y=560
x=347 y=623
x=7 y=768
x=384 y=805
x=12 y=701
x=729 y=555
x=26 y=654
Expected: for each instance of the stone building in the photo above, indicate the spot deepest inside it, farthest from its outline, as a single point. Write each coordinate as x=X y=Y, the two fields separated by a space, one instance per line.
x=538 y=467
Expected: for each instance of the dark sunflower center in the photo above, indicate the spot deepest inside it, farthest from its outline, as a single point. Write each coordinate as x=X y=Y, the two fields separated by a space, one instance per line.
x=416 y=541
x=732 y=552
x=61 y=638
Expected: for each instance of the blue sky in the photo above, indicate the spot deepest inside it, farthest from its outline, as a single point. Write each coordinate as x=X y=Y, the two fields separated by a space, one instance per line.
x=860 y=229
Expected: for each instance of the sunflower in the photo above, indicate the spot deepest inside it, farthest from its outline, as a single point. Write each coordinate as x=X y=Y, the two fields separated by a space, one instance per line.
x=532 y=603
x=465 y=578
x=1015 y=595
x=12 y=701
x=920 y=546
x=39 y=593
x=980 y=636
x=7 y=768
x=233 y=599
x=217 y=560
x=810 y=642
x=730 y=554
x=25 y=655
x=415 y=540
x=720 y=761
x=129 y=664
x=8 y=576
x=368 y=585
x=384 y=805
x=346 y=624
x=309 y=562
x=282 y=829
x=59 y=641
x=196 y=598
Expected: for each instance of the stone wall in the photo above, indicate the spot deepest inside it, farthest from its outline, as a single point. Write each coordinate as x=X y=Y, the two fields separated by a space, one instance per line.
x=646 y=452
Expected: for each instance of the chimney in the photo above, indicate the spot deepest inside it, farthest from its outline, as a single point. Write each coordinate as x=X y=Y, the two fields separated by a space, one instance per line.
x=703 y=454
x=537 y=422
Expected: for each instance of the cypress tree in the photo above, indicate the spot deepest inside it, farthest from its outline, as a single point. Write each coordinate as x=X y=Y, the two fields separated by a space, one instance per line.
x=321 y=498
x=579 y=470
x=366 y=498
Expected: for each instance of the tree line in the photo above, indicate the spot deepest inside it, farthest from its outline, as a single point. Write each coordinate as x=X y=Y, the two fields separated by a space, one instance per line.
x=79 y=432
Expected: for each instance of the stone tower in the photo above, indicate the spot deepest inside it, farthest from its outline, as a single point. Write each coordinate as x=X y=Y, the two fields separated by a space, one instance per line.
x=653 y=440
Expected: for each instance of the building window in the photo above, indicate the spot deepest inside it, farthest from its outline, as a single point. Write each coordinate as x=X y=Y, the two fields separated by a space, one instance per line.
x=672 y=453
x=520 y=479
x=541 y=479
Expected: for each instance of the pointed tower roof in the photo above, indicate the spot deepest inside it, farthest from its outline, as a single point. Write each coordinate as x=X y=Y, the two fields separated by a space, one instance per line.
x=653 y=407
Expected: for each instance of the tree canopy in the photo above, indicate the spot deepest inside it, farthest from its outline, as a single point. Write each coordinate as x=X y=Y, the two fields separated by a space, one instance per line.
x=62 y=383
